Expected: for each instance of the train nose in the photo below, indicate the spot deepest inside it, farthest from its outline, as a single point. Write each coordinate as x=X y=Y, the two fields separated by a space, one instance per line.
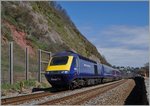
x=57 y=79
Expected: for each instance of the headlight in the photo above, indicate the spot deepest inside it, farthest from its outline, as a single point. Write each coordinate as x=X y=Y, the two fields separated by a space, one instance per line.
x=64 y=72
x=47 y=72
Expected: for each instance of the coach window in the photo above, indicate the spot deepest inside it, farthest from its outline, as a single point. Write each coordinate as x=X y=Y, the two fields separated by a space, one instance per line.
x=95 y=69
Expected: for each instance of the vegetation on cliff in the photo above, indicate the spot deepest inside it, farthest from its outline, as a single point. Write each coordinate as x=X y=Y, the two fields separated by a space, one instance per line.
x=44 y=25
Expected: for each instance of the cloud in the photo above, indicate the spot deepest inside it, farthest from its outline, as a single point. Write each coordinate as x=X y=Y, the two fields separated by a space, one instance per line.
x=125 y=36
x=124 y=45
x=125 y=57
x=129 y=35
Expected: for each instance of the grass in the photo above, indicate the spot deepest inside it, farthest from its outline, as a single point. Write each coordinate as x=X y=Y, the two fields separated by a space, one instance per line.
x=6 y=86
x=17 y=86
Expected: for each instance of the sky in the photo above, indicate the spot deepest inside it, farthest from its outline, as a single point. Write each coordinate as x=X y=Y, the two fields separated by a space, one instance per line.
x=119 y=30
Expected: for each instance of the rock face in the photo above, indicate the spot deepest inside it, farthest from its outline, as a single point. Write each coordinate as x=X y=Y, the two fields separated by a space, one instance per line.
x=44 y=25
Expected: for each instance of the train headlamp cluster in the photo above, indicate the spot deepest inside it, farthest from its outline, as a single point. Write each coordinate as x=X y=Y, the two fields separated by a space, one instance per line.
x=53 y=72
x=64 y=72
x=47 y=72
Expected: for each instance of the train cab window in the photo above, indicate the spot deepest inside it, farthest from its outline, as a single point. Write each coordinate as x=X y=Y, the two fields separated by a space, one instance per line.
x=59 y=60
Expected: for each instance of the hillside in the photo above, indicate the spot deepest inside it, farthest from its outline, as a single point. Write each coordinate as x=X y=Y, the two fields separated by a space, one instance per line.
x=43 y=25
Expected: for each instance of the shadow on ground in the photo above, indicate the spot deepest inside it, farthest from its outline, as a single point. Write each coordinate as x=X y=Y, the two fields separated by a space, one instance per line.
x=138 y=94
x=51 y=89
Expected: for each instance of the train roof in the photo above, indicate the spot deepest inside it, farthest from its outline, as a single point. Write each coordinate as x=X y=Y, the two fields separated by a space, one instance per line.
x=63 y=53
x=111 y=68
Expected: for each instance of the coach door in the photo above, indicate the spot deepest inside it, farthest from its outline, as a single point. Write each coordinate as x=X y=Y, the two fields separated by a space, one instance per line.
x=77 y=65
x=95 y=70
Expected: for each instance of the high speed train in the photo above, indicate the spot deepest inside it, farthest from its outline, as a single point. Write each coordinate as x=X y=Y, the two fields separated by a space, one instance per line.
x=69 y=69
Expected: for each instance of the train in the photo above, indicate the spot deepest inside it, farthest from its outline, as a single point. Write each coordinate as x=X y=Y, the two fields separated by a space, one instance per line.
x=72 y=70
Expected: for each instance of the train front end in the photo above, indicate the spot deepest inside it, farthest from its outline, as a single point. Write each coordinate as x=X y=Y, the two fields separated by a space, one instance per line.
x=58 y=72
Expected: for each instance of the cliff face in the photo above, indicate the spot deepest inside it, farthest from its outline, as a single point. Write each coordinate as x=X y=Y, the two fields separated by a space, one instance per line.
x=43 y=25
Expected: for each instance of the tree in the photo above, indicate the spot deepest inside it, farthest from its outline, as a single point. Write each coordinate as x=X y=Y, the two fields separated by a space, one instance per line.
x=144 y=70
x=146 y=66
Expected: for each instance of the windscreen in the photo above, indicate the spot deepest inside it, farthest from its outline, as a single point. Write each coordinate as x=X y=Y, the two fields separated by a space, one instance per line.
x=59 y=60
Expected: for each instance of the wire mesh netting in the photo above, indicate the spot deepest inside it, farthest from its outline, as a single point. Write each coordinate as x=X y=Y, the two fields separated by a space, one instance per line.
x=19 y=64
x=5 y=63
x=45 y=58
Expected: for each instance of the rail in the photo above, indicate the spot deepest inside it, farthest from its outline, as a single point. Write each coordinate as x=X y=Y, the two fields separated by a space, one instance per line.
x=23 y=98
x=76 y=99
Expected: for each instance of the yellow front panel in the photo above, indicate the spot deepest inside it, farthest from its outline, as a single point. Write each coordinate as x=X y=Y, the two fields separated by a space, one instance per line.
x=65 y=67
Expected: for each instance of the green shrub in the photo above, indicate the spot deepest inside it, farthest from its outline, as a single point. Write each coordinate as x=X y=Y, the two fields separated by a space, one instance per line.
x=6 y=86
x=29 y=83
x=7 y=33
x=16 y=86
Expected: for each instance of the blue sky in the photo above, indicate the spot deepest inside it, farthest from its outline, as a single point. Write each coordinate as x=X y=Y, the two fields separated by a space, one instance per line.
x=119 y=30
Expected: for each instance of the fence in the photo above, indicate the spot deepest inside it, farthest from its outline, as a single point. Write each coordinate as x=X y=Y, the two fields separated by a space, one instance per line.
x=18 y=65
x=42 y=62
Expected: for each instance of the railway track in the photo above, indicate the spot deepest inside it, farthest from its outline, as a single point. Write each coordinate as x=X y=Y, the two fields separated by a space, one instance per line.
x=24 y=98
x=29 y=97
x=79 y=98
